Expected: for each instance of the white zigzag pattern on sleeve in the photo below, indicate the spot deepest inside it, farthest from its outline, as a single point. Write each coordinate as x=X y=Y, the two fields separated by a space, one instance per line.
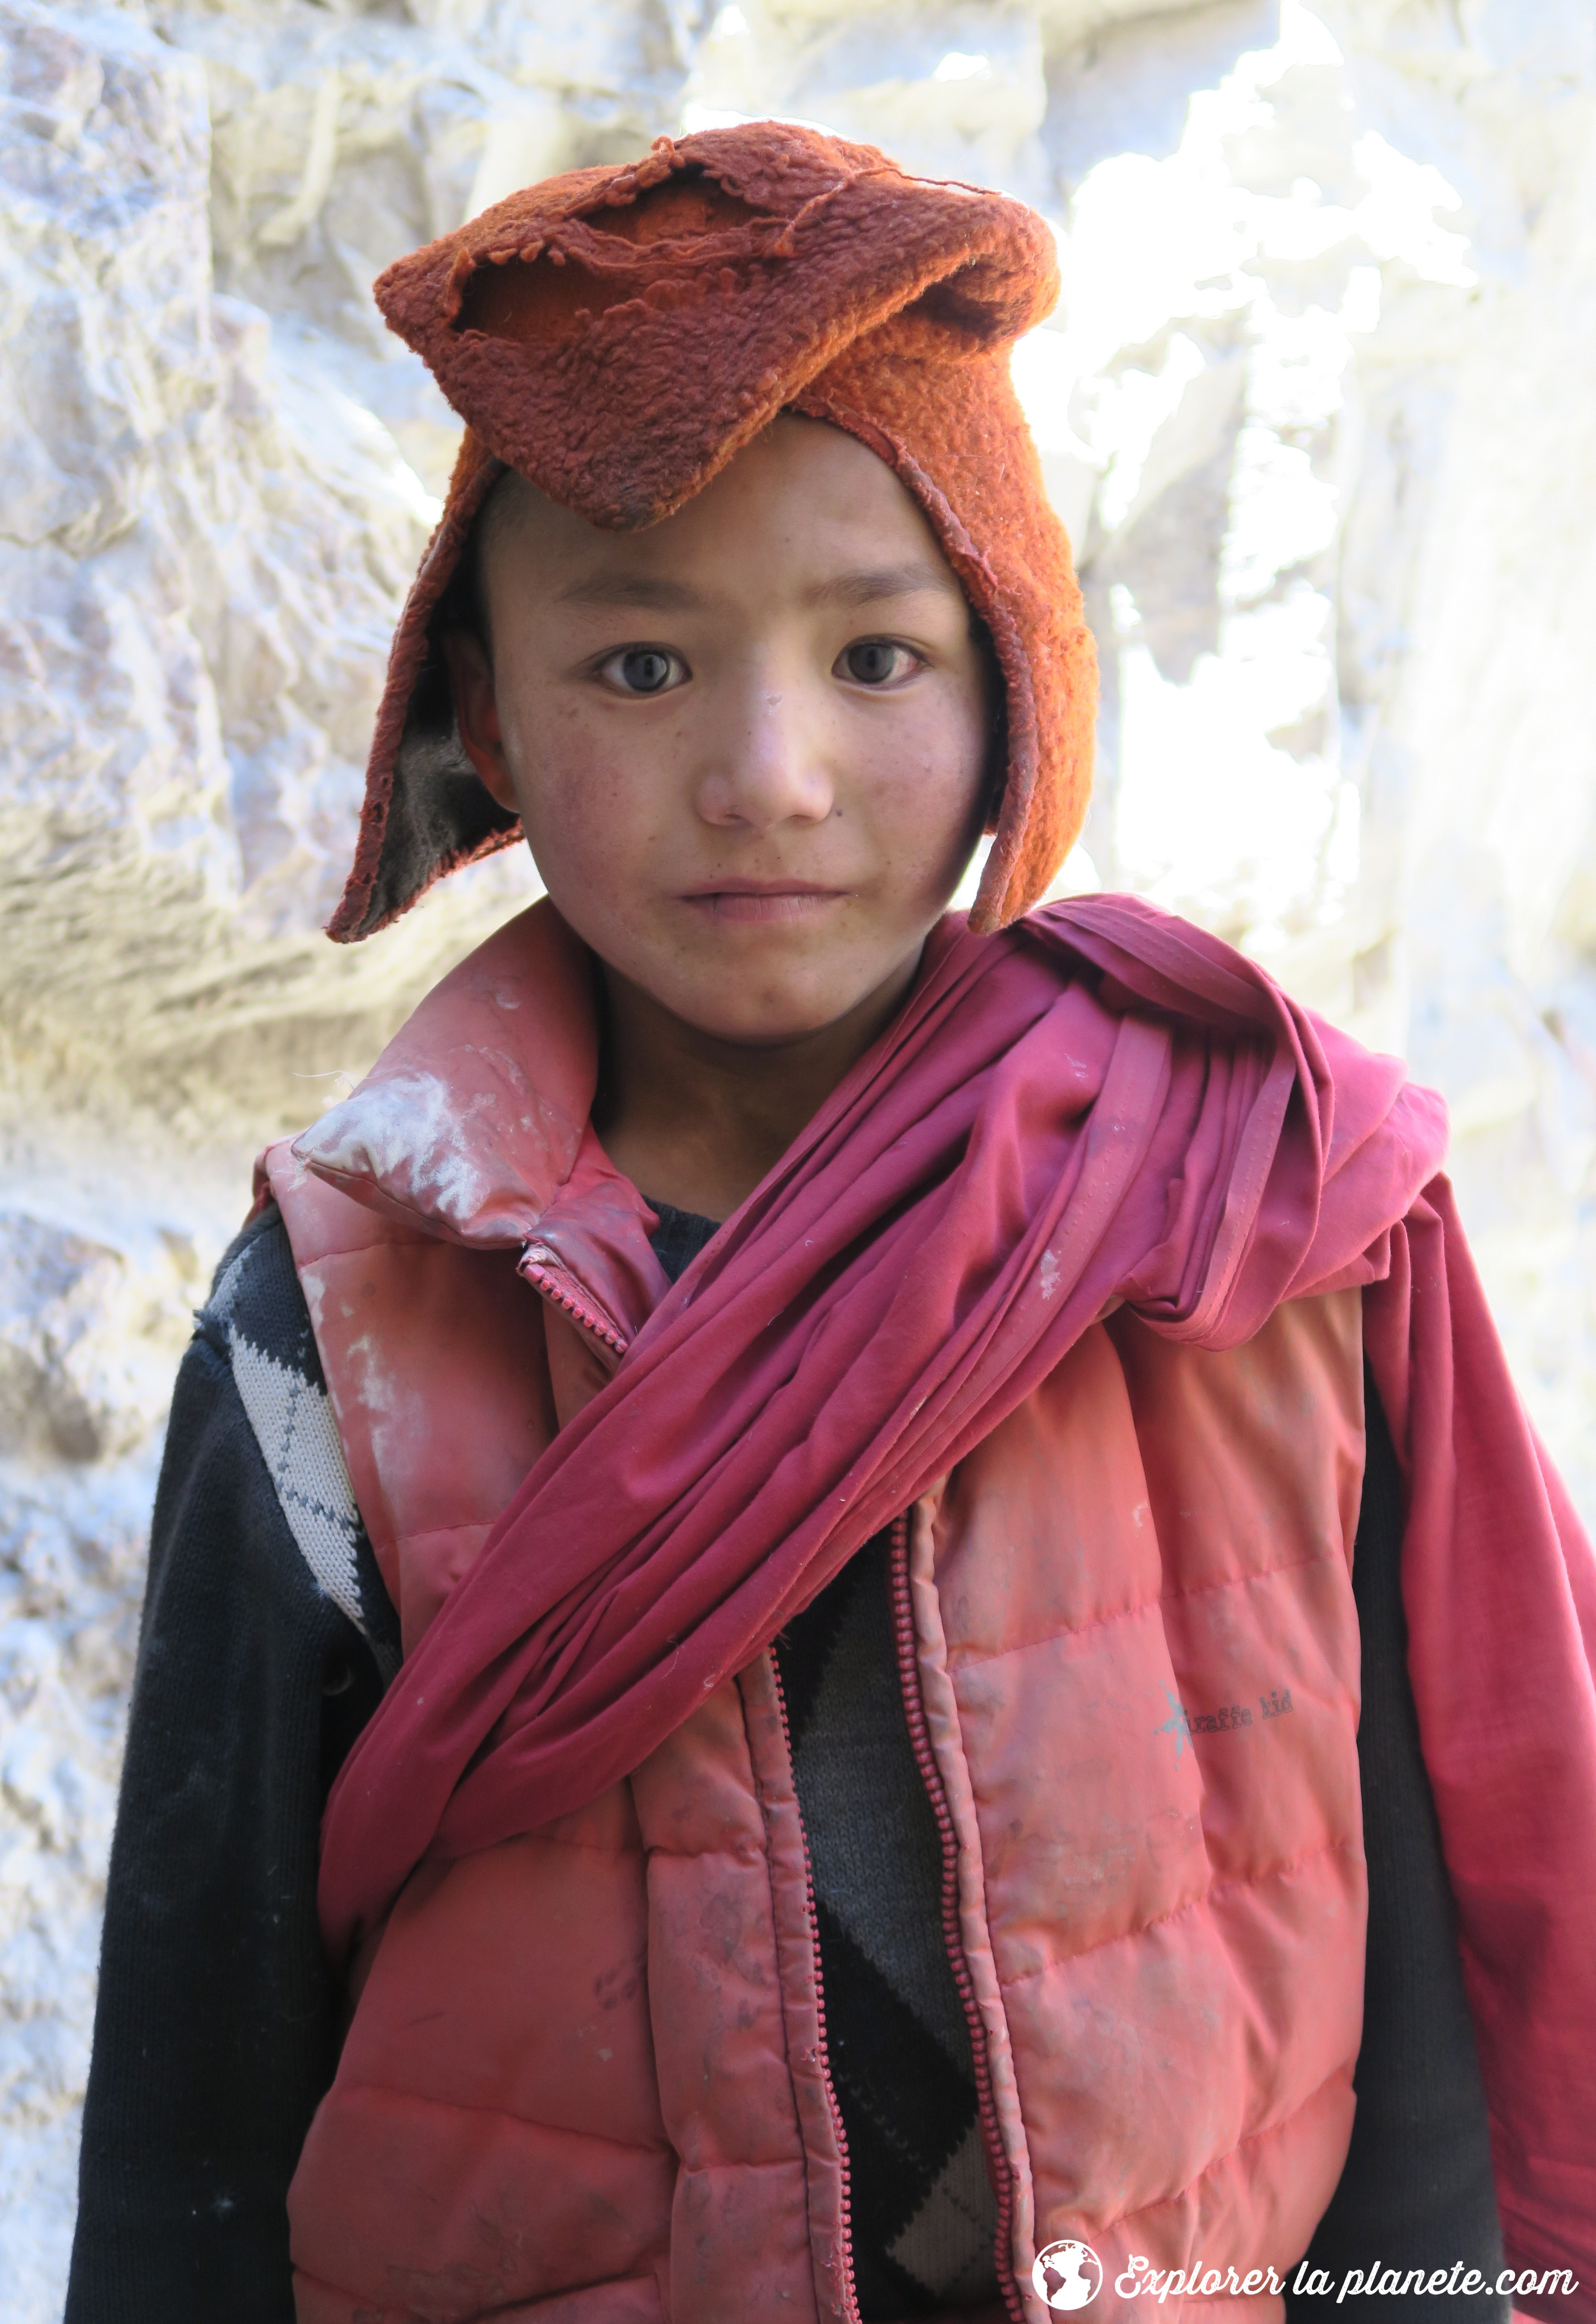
x=293 y=1424
x=294 y=1428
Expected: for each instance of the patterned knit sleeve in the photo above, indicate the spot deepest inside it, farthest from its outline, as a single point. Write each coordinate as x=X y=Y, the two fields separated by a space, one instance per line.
x=266 y=1642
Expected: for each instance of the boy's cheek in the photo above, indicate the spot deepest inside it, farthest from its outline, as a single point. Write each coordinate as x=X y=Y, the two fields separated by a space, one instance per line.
x=589 y=830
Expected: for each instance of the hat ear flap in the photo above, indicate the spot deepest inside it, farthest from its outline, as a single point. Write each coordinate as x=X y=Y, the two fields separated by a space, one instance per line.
x=426 y=810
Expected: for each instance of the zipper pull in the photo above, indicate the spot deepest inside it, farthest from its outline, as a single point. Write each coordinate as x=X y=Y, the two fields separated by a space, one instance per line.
x=544 y=1272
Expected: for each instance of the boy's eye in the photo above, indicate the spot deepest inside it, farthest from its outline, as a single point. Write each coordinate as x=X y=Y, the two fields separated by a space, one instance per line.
x=643 y=669
x=876 y=662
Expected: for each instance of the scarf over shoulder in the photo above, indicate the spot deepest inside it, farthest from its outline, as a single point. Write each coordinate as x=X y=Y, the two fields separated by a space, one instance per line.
x=1099 y=1105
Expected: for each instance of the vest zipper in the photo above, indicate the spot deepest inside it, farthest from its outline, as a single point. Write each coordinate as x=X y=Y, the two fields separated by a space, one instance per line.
x=850 y=2296
x=926 y=1759
x=557 y=1290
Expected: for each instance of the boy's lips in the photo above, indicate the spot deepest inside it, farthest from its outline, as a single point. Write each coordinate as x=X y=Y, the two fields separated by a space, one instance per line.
x=763 y=899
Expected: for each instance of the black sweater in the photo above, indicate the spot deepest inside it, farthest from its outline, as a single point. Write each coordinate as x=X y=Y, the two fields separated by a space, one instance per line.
x=267 y=1641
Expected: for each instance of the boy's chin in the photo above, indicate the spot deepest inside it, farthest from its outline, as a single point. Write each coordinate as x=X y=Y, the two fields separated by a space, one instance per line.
x=802 y=988
x=772 y=1012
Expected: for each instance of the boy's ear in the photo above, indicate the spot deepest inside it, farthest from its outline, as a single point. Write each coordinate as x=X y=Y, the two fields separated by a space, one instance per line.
x=476 y=713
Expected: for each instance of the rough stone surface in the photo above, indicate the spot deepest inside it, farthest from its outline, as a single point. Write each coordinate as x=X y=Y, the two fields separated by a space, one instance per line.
x=1315 y=412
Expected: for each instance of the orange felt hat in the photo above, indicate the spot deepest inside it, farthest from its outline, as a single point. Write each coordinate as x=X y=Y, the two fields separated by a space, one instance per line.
x=618 y=334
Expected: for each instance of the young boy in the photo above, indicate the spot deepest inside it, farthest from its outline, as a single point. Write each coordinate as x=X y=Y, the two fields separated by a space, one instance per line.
x=899 y=1551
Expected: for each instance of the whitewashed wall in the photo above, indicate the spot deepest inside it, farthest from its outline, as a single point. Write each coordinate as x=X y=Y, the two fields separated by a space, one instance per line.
x=1316 y=409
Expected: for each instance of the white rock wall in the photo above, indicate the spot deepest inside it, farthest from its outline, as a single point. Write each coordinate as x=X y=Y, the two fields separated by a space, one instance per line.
x=1315 y=409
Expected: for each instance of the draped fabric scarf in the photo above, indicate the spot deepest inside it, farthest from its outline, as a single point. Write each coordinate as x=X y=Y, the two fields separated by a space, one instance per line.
x=1100 y=1105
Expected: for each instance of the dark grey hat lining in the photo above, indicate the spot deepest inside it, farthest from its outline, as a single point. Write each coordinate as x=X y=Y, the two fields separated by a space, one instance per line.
x=440 y=810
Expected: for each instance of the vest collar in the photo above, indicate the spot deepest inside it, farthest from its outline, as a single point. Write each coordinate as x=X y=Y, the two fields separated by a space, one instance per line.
x=473 y=1126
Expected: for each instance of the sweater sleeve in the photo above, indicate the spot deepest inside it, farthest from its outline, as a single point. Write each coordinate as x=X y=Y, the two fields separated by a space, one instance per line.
x=1417 y=2190
x=266 y=1643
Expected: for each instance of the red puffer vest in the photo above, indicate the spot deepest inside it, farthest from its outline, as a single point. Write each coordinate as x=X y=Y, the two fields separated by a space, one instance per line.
x=586 y=2076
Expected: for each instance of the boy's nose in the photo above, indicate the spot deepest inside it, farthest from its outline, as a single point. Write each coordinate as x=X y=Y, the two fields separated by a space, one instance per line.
x=768 y=765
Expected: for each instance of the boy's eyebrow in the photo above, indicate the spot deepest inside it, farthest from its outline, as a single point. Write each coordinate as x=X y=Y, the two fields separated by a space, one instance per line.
x=874 y=584
x=632 y=589
x=869 y=586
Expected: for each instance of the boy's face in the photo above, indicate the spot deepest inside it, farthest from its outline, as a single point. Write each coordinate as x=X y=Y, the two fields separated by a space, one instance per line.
x=748 y=746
